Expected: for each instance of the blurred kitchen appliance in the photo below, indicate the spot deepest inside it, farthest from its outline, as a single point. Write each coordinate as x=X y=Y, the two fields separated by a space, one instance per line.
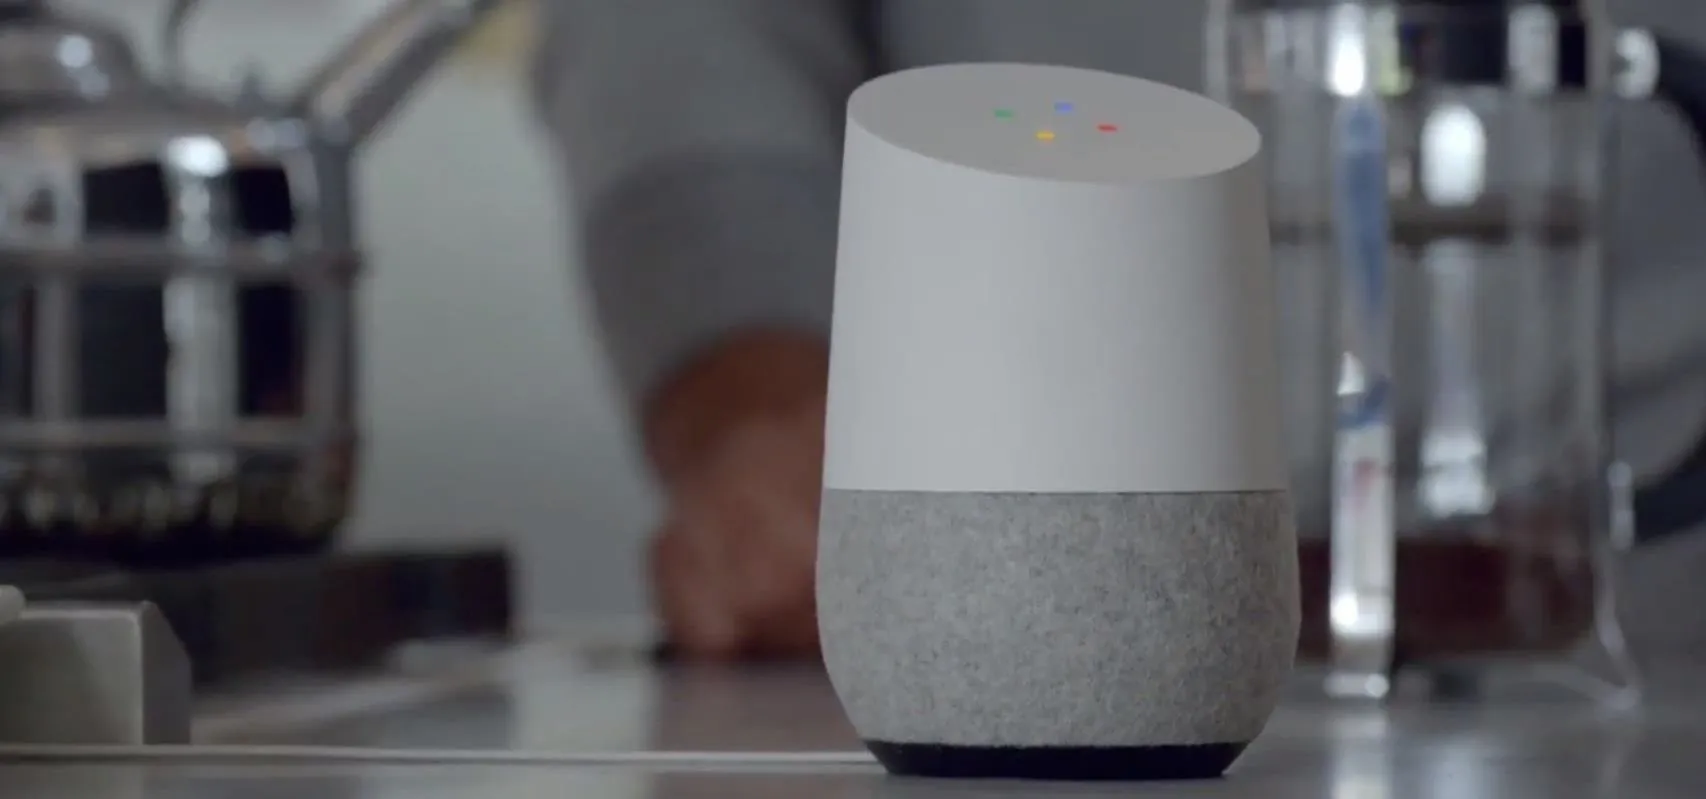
x=177 y=288
x=1440 y=233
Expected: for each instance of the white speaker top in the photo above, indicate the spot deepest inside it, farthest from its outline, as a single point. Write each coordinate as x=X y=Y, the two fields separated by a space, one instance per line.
x=1053 y=123
x=1051 y=280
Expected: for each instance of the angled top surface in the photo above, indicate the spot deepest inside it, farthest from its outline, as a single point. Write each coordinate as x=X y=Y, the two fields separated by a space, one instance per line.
x=1053 y=123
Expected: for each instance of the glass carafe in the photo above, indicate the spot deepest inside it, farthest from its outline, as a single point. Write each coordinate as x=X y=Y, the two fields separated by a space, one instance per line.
x=1439 y=180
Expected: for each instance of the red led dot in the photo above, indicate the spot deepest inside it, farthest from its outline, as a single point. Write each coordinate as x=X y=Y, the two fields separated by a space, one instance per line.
x=1106 y=127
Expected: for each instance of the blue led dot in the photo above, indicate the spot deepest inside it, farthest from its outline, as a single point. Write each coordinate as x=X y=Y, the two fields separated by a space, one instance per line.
x=1063 y=108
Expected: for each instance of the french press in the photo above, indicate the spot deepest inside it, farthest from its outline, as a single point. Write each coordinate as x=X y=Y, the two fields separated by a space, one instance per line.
x=178 y=287
x=1441 y=203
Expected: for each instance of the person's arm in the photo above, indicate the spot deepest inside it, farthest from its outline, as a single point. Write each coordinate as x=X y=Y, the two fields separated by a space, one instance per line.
x=701 y=142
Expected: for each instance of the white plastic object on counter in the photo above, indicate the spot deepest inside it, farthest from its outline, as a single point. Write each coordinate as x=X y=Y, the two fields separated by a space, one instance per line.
x=11 y=603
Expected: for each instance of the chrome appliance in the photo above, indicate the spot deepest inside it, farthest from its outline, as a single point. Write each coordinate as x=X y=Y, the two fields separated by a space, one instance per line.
x=178 y=279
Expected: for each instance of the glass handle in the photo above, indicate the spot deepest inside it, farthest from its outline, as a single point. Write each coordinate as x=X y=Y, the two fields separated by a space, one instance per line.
x=1361 y=616
x=1675 y=72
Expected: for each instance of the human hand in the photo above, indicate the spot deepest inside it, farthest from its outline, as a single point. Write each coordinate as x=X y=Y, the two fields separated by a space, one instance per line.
x=741 y=457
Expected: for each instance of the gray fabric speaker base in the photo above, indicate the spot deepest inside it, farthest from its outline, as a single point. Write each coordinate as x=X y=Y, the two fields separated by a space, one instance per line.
x=1062 y=763
x=1124 y=621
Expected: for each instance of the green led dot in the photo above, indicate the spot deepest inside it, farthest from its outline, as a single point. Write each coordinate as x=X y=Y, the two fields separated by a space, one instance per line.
x=1002 y=113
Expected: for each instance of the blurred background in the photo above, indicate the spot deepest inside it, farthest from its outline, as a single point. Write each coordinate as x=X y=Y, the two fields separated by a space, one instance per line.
x=486 y=407
x=498 y=488
x=486 y=413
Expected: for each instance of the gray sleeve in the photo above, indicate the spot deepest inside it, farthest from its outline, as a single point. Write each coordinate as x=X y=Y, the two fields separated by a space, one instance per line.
x=701 y=144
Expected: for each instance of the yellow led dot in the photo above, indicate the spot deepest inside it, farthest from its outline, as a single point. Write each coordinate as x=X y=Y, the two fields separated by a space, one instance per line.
x=1045 y=135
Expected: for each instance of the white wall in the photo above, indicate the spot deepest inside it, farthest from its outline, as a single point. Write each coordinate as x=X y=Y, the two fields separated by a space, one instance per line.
x=492 y=416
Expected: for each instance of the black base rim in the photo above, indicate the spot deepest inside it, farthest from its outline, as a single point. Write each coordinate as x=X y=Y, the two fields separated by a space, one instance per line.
x=1062 y=763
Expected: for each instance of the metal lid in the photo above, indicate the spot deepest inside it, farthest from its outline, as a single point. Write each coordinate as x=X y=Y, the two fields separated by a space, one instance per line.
x=1479 y=42
x=1440 y=4
x=43 y=54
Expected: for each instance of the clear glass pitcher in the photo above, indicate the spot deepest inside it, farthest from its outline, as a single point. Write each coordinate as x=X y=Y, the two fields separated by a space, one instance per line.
x=1439 y=211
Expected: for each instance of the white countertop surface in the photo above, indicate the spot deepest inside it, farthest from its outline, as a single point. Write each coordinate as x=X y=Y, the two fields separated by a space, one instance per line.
x=617 y=726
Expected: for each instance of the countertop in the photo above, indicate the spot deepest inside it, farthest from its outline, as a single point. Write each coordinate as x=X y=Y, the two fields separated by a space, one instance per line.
x=564 y=720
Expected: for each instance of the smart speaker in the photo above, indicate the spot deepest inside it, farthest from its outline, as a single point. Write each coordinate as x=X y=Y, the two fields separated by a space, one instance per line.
x=1056 y=541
